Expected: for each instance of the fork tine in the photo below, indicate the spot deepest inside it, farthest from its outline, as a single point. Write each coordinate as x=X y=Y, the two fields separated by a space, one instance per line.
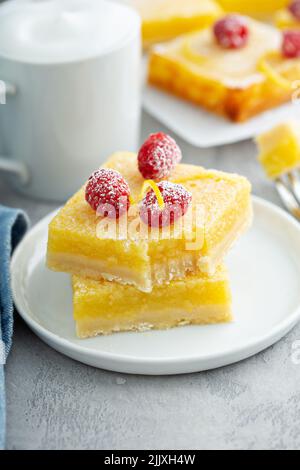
x=297 y=173
x=288 y=198
x=294 y=181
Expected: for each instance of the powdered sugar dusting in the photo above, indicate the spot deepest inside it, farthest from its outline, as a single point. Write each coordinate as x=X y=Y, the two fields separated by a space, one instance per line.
x=158 y=156
x=107 y=192
x=176 y=199
x=231 y=32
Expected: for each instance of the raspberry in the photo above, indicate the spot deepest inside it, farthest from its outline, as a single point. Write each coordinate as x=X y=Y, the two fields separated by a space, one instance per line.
x=176 y=199
x=294 y=8
x=291 y=44
x=108 y=193
x=231 y=32
x=158 y=156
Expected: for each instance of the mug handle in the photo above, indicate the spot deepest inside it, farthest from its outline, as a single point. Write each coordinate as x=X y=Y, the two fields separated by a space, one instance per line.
x=6 y=164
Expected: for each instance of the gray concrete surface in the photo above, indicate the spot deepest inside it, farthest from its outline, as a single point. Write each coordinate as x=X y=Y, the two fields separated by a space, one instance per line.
x=56 y=403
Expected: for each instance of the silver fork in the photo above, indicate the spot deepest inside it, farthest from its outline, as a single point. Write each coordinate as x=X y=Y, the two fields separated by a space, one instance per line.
x=288 y=187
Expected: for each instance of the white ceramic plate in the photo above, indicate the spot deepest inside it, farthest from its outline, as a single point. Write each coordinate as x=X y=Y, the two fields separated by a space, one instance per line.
x=265 y=273
x=203 y=129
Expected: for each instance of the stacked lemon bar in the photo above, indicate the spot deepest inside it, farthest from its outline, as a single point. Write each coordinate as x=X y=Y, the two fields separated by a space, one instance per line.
x=145 y=241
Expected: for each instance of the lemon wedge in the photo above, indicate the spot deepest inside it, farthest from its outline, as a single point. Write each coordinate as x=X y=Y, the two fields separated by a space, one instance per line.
x=270 y=72
x=189 y=52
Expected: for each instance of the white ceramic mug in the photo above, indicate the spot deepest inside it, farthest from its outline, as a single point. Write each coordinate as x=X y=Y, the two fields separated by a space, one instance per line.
x=72 y=92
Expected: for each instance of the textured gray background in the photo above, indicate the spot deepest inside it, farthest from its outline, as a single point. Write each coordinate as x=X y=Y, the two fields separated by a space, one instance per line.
x=57 y=403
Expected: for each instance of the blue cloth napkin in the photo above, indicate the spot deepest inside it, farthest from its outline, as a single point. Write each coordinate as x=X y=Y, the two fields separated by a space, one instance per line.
x=13 y=225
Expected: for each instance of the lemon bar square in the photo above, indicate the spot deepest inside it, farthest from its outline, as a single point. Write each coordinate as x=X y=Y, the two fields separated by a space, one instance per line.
x=225 y=81
x=279 y=149
x=75 y=244
x=103 y=307
x=166 y=19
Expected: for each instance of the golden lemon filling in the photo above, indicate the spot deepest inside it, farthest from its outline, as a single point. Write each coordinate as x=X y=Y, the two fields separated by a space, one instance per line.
x=165 y=19
x=237 y=83
x=102 y=307
x=89 y=246
x=279 y=149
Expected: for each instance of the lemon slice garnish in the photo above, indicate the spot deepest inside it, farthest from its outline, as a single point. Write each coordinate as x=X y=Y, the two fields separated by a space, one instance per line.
x=270 y=72
x=189 y=52
x=150 y=184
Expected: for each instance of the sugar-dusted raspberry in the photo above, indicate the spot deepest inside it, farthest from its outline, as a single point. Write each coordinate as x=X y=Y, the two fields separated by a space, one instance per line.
x=176 y=202
x=231 y=32
x=108 y=193
x=291 y=44
x=158 y=156
x=294 y=8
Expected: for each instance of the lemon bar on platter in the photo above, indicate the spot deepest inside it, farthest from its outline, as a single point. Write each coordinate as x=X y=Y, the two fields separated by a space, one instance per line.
x=279 y=149
x=103 y=307
x=165 y=19
x=76 y=246
x=236 y=68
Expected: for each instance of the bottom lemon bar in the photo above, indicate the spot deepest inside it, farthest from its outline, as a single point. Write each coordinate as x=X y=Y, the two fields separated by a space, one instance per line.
x=104 y=307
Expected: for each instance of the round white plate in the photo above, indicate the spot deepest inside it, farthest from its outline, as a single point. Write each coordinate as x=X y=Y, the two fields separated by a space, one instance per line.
x=265 y=274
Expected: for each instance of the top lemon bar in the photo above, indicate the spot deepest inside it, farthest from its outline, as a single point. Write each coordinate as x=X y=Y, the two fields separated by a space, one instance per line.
x=166 y=19
x=221 y=210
